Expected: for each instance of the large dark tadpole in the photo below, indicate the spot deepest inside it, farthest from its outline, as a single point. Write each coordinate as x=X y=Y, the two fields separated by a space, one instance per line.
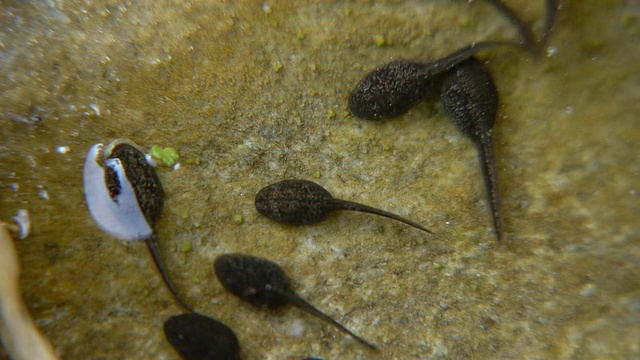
x=470 y=99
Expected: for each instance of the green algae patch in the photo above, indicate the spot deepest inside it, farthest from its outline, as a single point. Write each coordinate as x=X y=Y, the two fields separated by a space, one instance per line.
x=379 y=40
x=168 y=155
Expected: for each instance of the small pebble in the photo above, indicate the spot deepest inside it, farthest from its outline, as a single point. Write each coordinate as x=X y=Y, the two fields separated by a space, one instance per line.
x=63 y=149
x=297 y=328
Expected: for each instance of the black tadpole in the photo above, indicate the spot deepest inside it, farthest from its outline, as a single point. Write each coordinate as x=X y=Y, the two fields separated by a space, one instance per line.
x=394 y=88
x=150 y=196
x=301 y=202
x=470 y=99
x=198 y=337
x=263 y=283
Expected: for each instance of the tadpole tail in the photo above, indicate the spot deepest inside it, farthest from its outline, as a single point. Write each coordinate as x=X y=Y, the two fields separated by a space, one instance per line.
x=154 y=249
x=550 y=20
x=466 y=52
x=300 y=303
x=528 y=39
x=490 y=174
x=354 y=206
x=462 y=54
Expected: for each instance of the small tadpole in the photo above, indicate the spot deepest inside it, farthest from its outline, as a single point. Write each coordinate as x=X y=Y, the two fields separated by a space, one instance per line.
x=196 y=337
x=125 y=197
x=470 y=98
x=302 y=202
x=150 y=197
x=394 y=88
x=263 y=283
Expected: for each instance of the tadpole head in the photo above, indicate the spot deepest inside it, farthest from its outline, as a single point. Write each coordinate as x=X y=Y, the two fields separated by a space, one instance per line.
x=255 y=280
x=143 y=178
x=389 y=91
x=196 y=336
x=470 y=98
x=293 y=201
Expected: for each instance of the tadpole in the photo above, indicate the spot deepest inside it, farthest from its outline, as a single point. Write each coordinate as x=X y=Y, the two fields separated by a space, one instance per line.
x=150 y=197
x=470 y=99
x=301 y=202
x=198 y=337
x=392 y=89
x=263 y=283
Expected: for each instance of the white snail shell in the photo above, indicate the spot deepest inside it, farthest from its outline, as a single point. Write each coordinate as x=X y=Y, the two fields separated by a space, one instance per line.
x=120 y=216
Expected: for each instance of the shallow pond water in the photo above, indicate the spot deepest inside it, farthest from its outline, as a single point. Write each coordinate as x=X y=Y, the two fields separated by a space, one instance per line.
x=250 y=93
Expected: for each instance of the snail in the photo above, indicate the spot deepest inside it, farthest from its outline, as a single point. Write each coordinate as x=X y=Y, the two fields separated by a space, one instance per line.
x=125 y=197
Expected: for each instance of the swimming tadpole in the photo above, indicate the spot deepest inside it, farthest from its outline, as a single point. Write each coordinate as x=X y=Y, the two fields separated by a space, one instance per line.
x=263 y=283
x=470 y=99
x=125 y=198
x=302 y=202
